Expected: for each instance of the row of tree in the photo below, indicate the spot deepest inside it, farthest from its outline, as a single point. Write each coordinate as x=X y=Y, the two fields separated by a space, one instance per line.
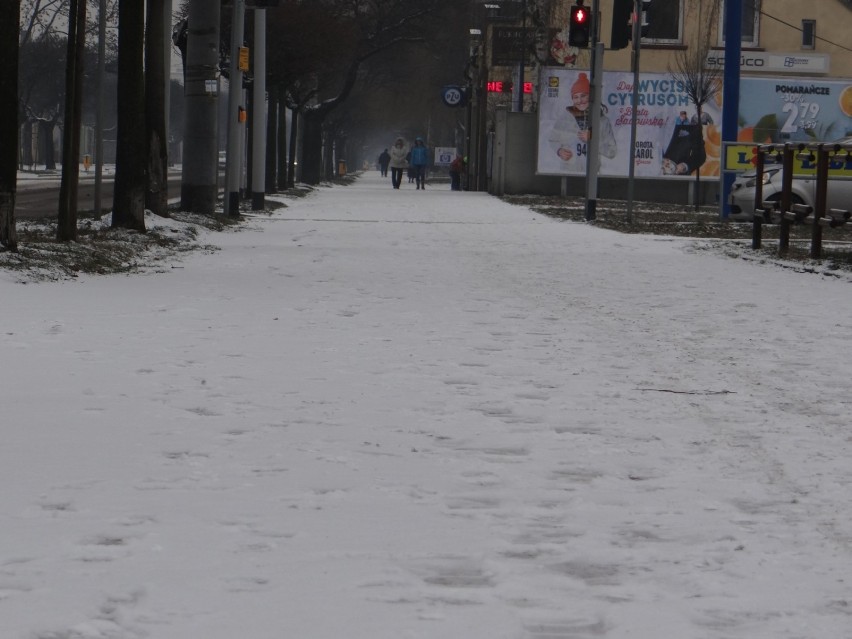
x=344 y=69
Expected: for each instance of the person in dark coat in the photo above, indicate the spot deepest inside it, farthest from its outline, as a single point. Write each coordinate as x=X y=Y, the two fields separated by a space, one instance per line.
x=384 y=161
x=456 y=170
x=685 y=153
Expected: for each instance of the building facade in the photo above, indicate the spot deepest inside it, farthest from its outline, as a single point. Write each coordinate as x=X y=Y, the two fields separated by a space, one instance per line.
x=795 y=84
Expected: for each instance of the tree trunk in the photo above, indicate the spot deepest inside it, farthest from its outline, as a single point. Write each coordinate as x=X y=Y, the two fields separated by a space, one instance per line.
x=200 y=171
x=48 y=127
x=157 y=191
x=312 y=147
x=271 y=164
x=128 y=209
x=698 y=170
x=291 y=164
x=66 y=229
x=281 y=143
x=26 y=139
x=9 y=130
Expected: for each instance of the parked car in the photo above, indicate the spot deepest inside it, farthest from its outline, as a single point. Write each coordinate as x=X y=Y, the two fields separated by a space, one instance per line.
x=803 y=191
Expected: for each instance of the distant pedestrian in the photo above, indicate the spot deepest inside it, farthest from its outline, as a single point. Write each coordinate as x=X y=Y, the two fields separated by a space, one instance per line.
x=398 y=163
x=456 y=169
x=419 y=162
x=384 y=161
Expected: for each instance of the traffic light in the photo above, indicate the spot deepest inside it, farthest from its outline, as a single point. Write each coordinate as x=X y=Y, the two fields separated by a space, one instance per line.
x=644 y=7
x=580 y=27
x=622 y=24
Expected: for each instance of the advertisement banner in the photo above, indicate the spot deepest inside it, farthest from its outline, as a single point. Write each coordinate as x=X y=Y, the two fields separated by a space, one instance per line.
x=668 y=142
x=444 y=155
x=794 y=110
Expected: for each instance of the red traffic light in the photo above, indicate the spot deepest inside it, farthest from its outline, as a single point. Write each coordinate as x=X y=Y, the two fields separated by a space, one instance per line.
x=579 y=27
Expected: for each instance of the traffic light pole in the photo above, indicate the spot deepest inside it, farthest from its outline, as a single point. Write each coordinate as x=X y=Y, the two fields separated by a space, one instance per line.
x=637 y=39
x=731 y=90
x=593 y=144
x=233 y=160
x=258 y=128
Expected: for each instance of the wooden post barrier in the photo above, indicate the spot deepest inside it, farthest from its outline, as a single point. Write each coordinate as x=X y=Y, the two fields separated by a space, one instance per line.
x=757 y=220
x=786 y=191
x=819 y=216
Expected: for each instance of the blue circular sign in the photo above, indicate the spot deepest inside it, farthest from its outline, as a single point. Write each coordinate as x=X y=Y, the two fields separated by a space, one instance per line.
x=453 y=96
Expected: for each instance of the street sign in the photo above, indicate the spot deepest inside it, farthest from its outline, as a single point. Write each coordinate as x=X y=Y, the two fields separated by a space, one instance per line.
x=454 y=96
x=444 y=155
x=507 y=45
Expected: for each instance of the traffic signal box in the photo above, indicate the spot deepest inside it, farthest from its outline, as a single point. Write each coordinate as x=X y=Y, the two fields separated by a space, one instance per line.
x=580 y=27
x=622 y=22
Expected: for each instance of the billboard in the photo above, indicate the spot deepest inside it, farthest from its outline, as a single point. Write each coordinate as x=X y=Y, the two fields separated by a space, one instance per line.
x=794 y=110
x=668 y=142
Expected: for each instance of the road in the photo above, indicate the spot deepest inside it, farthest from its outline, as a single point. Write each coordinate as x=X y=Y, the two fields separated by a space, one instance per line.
x=39 y=198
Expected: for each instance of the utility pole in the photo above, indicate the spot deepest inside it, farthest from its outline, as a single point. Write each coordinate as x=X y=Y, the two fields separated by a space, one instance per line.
x=593 y=144
x=519 y=90
x=731 y=88
x=200 y=169
x=637 y=38
x=233 y=164
x=482 y=119
x=258 y=158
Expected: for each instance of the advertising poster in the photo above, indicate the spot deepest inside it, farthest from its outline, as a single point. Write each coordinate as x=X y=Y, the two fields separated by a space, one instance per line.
x=794 y=110
x=444 y=155
x=667 y=140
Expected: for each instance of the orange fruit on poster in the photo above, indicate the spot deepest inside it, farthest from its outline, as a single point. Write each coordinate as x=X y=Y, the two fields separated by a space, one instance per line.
x=713 y=135
x=709 y=169
x=746 y=134
x=712 y=140
x=846 y=101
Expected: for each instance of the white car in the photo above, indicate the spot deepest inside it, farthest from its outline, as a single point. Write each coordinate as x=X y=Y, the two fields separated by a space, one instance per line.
x=803 y=191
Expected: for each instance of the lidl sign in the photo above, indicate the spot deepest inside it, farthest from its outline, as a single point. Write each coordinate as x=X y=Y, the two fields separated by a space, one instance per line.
x=743 y=157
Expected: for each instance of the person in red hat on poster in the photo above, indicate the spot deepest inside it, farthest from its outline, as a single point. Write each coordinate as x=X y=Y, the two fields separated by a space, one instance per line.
x=571 y=133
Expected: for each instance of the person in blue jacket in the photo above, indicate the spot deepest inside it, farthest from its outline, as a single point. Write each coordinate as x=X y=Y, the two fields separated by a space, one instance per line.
x=419 y=162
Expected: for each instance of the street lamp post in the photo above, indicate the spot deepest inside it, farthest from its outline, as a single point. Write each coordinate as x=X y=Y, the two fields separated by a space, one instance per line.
x=233 y=164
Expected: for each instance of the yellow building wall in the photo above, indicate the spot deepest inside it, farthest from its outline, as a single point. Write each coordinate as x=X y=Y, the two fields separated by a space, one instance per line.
x=779 y=32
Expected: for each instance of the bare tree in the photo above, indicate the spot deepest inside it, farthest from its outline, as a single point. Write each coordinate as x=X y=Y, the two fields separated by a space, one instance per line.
x=700 y=83
x=378 y=26
x=66 y=229
x=157 y=191
x=9 y=26
x=129 y=197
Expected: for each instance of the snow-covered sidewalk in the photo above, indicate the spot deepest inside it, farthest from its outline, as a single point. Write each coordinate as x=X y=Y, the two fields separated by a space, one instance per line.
x=381 y=414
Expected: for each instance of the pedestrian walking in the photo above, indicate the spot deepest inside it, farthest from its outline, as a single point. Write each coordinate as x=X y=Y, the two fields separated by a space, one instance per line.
x=384 y=161
x=398 y=163
x=456 y=170
x=419 y=162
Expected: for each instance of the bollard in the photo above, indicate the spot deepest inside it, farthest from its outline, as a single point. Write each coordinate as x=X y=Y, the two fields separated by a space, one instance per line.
x=786 y=188
x=757 y=220
x=820 y=201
